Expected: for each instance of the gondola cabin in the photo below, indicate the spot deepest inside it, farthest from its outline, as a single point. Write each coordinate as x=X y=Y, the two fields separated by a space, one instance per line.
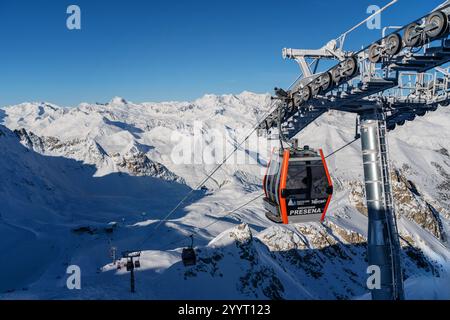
x=188 y=255
x=297 y=186
x=130 y=265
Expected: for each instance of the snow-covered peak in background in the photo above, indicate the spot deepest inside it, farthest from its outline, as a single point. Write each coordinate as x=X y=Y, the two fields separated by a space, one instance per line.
x=117 y=101
x=70 y=174
x=120 y=127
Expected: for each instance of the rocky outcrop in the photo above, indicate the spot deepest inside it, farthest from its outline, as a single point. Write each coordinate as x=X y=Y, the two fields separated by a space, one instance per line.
x=86 y=150
x=409 y=202
x=138 y=164
x=443 y=187
x=256 y=279
x=356 y=196
x=134 y=162
x=411 y=205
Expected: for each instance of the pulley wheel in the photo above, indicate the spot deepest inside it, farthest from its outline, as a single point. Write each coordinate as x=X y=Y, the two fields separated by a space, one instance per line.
x=445 y=103
x=305 y=93
x=393 y=44
x=412 y=37
x=391 y=126
x=375 y=54
x=421 y=113
x=297 y=100
x=315 y=87
x=336 y=75
x=326 y=80
x=439 y=23
x=290 y=105
x=350 y=67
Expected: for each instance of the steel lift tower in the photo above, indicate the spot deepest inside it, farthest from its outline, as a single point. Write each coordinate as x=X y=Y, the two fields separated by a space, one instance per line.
x=394 y=80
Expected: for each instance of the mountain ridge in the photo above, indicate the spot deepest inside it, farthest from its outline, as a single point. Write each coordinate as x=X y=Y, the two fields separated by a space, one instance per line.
x=134 y=182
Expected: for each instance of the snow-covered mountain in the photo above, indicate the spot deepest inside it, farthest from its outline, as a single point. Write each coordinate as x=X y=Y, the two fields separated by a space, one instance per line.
x=77 y=181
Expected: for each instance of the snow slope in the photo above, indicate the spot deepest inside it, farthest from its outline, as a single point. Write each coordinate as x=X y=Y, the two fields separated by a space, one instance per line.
x=76 y=181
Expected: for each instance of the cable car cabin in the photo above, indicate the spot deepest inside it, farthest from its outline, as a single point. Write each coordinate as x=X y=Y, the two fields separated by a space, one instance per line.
x=297 y=186
x=189 y=257
x=129 y=265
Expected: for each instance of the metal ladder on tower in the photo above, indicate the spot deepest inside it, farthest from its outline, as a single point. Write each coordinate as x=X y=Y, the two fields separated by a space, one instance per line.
x=397 y=275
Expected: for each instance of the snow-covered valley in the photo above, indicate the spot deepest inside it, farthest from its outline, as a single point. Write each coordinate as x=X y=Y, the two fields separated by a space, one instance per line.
x=75 y=182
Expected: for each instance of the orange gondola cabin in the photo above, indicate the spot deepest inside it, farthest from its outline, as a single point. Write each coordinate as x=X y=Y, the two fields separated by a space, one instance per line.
x=297 y=185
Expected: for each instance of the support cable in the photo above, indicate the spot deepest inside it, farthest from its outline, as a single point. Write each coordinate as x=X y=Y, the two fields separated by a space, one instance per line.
x=209 y=176
x=218 y=219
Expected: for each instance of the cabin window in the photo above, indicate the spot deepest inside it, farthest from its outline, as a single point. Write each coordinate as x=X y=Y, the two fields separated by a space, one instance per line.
x=272 y=177
x=320 y=182
x=297 y=176
x=307 y=179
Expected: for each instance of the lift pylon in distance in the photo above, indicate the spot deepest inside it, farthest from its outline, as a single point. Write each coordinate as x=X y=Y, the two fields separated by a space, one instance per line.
x=297 y=186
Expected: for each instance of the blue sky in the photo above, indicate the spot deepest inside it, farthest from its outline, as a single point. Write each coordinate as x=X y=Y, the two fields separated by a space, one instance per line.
x=158 y=50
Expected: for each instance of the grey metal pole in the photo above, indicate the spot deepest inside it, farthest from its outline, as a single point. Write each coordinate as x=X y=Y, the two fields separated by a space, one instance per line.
x=382 y=246
x=132 y=281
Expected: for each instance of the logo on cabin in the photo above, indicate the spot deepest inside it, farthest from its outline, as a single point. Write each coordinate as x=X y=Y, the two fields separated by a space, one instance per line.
x=305 y=211
x=294 y=203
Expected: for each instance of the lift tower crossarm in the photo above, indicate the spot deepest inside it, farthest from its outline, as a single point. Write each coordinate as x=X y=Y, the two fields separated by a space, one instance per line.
x=329 y=51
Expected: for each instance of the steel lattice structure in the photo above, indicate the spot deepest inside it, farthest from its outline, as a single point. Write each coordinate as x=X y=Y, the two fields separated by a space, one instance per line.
x=393 y=80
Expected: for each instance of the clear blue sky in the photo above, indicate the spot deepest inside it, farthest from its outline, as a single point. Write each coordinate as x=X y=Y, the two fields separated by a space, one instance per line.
x=155 y=50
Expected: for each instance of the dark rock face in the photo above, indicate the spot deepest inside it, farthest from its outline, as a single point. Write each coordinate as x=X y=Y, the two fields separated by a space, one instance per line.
x=409 y=201
x=138 y=164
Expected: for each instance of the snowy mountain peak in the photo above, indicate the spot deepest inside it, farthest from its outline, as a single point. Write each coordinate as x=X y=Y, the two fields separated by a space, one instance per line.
x=118 y=101
x=240 y=234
